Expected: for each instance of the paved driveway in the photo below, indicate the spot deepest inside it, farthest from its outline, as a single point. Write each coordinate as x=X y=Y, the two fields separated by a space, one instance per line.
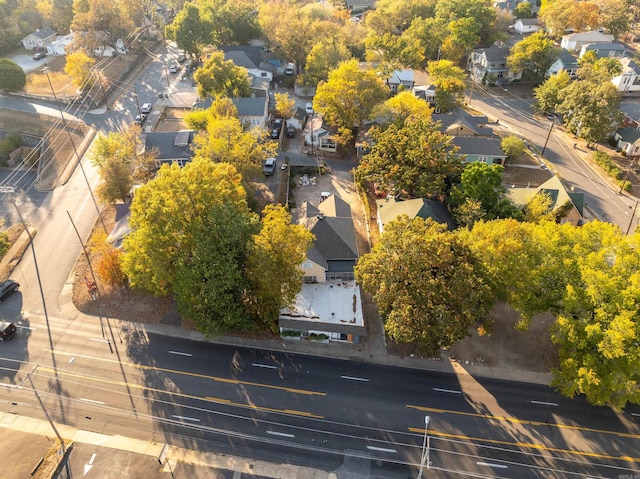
x=25 y=59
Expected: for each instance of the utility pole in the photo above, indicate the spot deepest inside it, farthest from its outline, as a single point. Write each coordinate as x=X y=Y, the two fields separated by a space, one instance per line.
x=633 y=214
x=553 y=121
x=75 y=150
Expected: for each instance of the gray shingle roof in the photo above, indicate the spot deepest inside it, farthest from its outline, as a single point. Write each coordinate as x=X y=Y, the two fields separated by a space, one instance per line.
x=250 y=106
x=475 y=145
x=495 y=53
x=568 y=60
x=390 y=209
x=170 y=145
x=44 y=33
x=629 y=135
x=335 y=238
x=247 y=56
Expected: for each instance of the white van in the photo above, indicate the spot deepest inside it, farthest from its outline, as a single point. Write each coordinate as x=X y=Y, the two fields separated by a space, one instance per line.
x=290 y=69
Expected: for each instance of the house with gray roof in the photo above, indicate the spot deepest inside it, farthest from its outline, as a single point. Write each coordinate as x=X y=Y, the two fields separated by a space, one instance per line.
x=38 y=39
x=253 y=112
x=391 y=208
x=170 y=147
x=484 y=150
x=628 y=140
x=565 y=62
x=489 y=65
x=329 y=305
x=604 y=50
x=628 y=81
x=575 y=41
x=461 y=123
x=359 y=5
x=251 y=58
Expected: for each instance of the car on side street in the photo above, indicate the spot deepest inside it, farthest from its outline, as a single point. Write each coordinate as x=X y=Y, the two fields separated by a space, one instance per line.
x=146 y=108
x=269 y=166
x=139 y=120
x=39 y=55
x=7 y=330
x=308 y=108
x=182 y=58
x=291 y=132
x=275 y=133
x=174 y=68
x=7 y=288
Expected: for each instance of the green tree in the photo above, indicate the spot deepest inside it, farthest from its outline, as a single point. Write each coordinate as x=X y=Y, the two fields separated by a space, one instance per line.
x=535 y=53
x=615 y=16
x=415 y=157
x=464 y=34
x=349 y=96
x=550 y=94
x=483 y=183
x=449 y=81
x=430 y=32
x=391 y=52
x=232 y=21
x=222 y=77
x=78 y=66
x=513 y=146
x=191 y=231
x=288 y=29
x=523 y=10
x=273 y=266
x=115 y=156
x=94 y=16
x=590 y=108
x=403 y=106
x=539 y=208
x=325 y=55
x=427 y=285
x=225 y=140
x=481 y=11
x=191 y=29
x=556 y=15
x=12 y=76
x=285 y=105
x=395 y=16
x=117 y=180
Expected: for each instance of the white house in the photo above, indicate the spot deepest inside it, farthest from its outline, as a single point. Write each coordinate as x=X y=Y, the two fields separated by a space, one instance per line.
x=575 y=41
x=565 y=62
x=407 y=79
x=526 y=26
x=317 y=135
x=629 y=80
x=38 y=39
x=59 y=45
x=628 y=140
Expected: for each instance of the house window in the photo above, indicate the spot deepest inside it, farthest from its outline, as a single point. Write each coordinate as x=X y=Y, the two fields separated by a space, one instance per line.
x=255 y=122
x=309 y=279
x=263 y=74
x=482 y=159
x=307 y=265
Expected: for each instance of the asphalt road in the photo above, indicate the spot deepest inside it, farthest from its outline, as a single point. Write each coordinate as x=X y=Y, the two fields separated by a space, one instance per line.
x=270 y=404
x=517 y=113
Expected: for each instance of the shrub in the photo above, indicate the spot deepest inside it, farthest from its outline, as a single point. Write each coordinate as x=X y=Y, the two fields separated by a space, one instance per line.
x=288 y=333
x=12 y=76
x=604 y=161
x=10 y=143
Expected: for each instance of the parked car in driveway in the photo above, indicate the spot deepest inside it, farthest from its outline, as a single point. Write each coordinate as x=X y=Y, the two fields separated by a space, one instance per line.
x=7 y=287
x=39 y=55
x=139 y=120
x=308 y=108
x=146 y=108
x=269 y=166
x=291 y=132
x=275 y=133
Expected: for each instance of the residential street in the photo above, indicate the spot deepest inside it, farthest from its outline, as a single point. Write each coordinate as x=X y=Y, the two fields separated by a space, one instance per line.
x=601 y=196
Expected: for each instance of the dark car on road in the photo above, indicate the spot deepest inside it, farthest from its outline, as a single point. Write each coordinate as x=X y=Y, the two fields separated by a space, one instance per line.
x=39 y=55
x=7 y=330
x=140 y=119
x=291 y=132
x=269 y=166
x=275 y=133
x=7 y=287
